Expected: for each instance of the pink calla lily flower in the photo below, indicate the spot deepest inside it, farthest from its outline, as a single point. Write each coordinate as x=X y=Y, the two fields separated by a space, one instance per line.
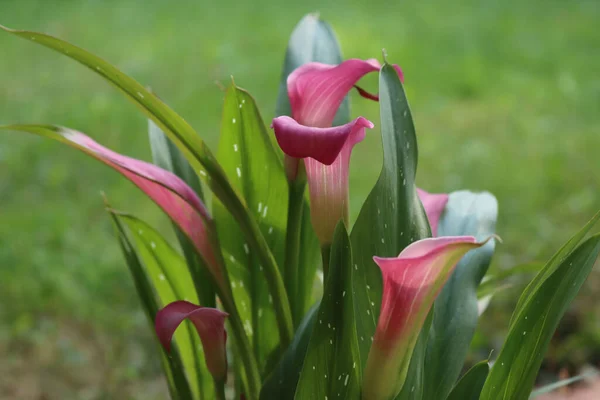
x=210 y=324
x=326 y=153
x=316 y=91
x=434 y=205
x=411 y=282
x=166 y=189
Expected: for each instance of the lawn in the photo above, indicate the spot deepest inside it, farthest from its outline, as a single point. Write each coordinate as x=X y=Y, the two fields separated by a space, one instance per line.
x=505 y=97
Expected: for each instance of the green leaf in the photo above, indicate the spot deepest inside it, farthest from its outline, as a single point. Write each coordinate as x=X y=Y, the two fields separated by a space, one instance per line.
x=534 y=322
x=455 y=312
x=470 y=385
x=167 y=156
x=312 y=40
x=251 y=164
x=392 y=217
x=170 y=278
x=172 y=363
x=282 y=382
x=332 y=366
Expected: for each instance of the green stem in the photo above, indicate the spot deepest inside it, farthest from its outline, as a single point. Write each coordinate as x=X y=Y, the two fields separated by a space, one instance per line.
x=292 y=249
x=219 y=389
x=325 y=254
x=245 y=351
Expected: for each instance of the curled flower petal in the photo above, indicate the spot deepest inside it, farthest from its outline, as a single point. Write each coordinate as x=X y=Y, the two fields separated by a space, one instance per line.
x=434 y=205
x=322 y=144
x=316 y=90
x=166 y=189
x=411 y=282
x=210 y=324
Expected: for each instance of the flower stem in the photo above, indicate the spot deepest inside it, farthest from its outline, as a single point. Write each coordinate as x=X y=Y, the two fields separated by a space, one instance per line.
x=219 y=389
x=325 y=254
x=292 y=248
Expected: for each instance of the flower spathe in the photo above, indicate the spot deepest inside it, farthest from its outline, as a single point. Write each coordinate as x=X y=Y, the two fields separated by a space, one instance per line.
x=210 y=325
x=434 y=205
x=411 y=282
x=316 y=91
x=326 y=153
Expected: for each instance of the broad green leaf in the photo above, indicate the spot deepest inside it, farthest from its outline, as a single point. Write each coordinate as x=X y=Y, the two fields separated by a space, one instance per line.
x=470 y=385
x=251 y=164
x=514 y=372
x=171 y=280
x=332 y=366
x=282 y=382
x=455 y=312
x=172 y=363
x=392 y=217
x=553 y=264
x=312 y=40
x=167 y=156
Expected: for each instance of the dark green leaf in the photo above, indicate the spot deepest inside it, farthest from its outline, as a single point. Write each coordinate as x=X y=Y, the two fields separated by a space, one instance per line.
x=392 y=217
x=470 y=385
x=251 y=164
x=167 y=156
x=312 y=40
x=534 y=322
x=455 y=312
x=332 y=366
x=282 y=382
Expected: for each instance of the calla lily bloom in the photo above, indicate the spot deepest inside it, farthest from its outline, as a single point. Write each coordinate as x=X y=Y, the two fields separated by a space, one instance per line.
x=327 y=158
x=166 y=189
x=411 y=282
x=316 y=91
x=434 y=205
x=210 y=324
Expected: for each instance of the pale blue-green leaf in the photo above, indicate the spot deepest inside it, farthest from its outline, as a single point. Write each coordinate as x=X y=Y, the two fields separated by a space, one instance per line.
x=456 y=311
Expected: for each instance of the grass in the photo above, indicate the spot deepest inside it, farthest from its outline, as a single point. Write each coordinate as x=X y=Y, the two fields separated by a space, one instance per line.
x=504 y=94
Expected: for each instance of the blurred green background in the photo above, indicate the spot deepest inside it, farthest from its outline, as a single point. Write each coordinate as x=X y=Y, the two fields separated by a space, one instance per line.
x=505 y=96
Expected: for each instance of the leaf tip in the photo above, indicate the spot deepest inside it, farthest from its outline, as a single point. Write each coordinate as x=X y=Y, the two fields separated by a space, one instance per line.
x=384 y=55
